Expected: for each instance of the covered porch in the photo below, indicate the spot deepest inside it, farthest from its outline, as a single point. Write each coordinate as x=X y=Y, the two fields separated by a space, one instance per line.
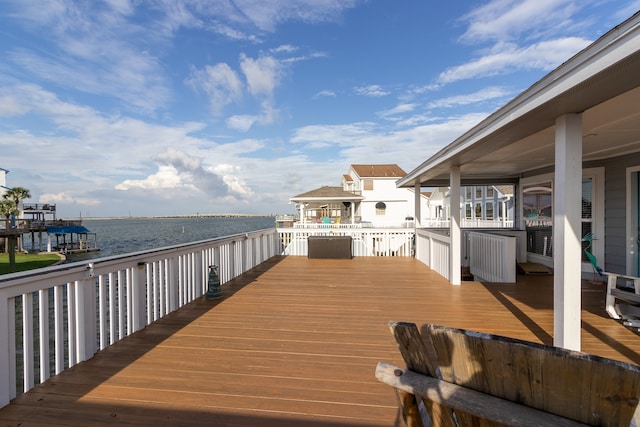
x=296 y=341
x=568 y=144
x=327 y=205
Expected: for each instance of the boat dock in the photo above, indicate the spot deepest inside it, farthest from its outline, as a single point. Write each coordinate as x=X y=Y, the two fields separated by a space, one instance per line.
x=296 y=341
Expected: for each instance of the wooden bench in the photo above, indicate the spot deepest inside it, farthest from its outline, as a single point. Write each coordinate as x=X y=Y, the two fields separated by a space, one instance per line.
x=457 y=377
x=623 y=302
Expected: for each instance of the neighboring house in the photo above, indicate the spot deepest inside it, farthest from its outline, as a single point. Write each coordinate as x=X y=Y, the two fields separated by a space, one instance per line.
x=480 y=206
x=368 y=195
x=3 y=181
x=568 y=144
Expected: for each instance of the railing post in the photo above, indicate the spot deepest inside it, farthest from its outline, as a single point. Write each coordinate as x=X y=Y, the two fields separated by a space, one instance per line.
x=7 y=381
x=86 y=316
x=138 y=293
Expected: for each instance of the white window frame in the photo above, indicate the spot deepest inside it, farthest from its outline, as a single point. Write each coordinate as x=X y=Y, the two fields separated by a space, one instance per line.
x=632 y=221
x=597 y=213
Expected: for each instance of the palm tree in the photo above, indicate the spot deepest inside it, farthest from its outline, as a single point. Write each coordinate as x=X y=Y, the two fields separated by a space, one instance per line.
x=17 y=194
x=8 y=208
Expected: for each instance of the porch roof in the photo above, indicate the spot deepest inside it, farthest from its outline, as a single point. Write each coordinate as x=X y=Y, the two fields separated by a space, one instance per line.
x=602 y=82
x=326 y=193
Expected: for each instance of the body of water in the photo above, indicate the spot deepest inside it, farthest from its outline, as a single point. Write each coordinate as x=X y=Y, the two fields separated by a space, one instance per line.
x=122 y=236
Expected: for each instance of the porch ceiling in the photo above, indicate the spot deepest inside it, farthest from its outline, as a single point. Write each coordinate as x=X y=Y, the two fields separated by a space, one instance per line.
x=602 y=83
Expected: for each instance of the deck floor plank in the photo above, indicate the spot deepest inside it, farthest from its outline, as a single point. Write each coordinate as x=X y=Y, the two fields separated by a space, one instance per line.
x=295 y=342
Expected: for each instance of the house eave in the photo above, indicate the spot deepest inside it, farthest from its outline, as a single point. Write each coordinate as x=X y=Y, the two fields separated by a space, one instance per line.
x=605 y=69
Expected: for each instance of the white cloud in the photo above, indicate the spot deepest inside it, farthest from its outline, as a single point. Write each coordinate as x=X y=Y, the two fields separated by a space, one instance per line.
x=262 y=74
x=10 y=106
x=508 y=58
x=93 y=48
x=66 y=198
x=372 y=91
x=398 y=109
x=267 y=14
x=501 y=20
x=471 y=98
x=219 y=82
x=324 y=93
x=241 y=122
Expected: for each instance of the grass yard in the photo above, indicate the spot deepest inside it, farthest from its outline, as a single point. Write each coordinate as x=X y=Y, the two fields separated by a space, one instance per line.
x=26 y=262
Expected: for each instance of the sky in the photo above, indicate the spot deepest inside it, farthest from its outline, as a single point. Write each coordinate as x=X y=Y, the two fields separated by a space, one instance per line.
x=180 y=107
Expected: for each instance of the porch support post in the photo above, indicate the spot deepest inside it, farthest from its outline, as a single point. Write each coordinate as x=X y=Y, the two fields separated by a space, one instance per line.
x=566 y=232
x=454 y=228
x=417 y=201
x=302 y=221
x=353 y=212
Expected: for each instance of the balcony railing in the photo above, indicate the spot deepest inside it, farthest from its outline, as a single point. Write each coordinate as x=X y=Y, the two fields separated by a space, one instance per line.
x=81 y=308
x=365 y=241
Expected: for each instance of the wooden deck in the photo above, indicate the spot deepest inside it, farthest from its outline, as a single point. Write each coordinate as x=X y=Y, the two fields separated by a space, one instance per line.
x=296 y=342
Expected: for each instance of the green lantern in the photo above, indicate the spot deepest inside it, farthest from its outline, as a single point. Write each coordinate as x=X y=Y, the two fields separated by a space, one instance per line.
x=213 y=290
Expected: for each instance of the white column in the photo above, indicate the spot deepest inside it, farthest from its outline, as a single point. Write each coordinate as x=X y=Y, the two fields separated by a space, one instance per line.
x=567 y=196
x=301 y=212
x=454 y=227
x=353 y=212
x=417 y=201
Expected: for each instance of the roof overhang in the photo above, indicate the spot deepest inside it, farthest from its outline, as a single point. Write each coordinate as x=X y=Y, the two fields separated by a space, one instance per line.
x=602 y=82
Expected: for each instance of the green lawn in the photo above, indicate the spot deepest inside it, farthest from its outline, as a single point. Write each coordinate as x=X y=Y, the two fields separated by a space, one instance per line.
x=28 y=261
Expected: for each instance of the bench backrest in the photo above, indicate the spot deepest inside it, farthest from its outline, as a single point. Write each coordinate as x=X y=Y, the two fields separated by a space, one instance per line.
x=576 y=386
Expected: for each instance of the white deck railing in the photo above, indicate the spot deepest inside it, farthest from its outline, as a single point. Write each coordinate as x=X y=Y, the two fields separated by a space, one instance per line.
x=366 y=241
x=468 y=223
x=492 y=257
x=432 y=249
x=84 y=307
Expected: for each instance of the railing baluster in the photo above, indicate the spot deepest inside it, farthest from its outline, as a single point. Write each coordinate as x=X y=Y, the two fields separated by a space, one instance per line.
x=58 y=313
x=72 y=321
x=43 y=325
x=27 y=341
x=112 y=308
x=102 y=312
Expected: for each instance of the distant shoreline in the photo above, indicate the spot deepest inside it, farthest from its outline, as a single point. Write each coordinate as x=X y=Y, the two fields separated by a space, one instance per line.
x=99 y=218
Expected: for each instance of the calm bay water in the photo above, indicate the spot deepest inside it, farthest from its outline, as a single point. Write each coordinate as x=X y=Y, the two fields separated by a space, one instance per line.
x=122 y=236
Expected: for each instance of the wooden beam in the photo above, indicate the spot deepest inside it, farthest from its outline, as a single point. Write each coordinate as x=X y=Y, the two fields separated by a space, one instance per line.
x=466 y=400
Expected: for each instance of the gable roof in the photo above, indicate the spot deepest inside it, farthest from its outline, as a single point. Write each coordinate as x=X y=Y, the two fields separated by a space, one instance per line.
x=327 y=193
x=379 y=171
x=347 y=177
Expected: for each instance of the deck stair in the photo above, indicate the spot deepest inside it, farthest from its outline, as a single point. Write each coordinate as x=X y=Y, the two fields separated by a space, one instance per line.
x=456 y=377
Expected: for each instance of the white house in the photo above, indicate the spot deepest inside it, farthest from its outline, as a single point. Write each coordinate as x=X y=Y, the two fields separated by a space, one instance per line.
x=3 y=181
x=368 y=195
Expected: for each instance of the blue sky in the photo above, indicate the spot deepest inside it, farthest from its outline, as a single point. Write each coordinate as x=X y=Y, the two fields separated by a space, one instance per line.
x=123 y=107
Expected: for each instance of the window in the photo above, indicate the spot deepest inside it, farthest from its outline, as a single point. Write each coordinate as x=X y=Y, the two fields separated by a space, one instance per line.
x=490 y=192
x=489 y=210
x=467 y=211
x=469 y=192
x=367 y=184
x=478 y=214
x=478 y=192
x=587 y=217
x=537 y=210
x=380 y=208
